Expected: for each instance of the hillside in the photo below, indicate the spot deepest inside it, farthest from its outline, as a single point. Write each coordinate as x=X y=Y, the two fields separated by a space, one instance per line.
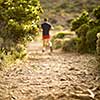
x=61 y=12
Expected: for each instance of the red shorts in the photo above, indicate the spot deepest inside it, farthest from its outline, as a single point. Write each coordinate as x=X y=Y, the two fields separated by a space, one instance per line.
x=46 y=36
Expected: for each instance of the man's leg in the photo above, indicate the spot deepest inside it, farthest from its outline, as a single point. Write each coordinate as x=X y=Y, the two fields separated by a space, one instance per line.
x=44 y=45
x=47 y=43
x=50 y=45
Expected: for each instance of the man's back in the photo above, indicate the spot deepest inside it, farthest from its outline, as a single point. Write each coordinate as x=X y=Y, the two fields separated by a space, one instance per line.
x=46 y=28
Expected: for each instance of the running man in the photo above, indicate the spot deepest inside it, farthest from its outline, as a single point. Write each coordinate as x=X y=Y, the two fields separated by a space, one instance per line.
x=46 y=26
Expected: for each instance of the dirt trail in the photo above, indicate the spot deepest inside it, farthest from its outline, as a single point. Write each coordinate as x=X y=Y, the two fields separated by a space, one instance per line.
x=56 y=76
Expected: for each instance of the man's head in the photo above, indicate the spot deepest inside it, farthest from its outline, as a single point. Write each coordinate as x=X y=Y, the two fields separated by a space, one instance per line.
x=45 y=19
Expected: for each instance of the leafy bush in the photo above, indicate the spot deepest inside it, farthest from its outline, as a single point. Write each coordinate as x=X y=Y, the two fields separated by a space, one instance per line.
x=83 y=19
x=86 y=29
x=70 y=44
x=57 y=39
x=18 y=24
x=92 y=23
x=81 y=33
x=60 y=35
x=91 y=38
x=96 y=12
x=82 y=30
x=17 y=17
x=57 y=43
x=82 y=46
x=58 y=27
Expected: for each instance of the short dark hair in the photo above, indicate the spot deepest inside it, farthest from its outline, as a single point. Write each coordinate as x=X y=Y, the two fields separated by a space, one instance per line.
x=45 y=19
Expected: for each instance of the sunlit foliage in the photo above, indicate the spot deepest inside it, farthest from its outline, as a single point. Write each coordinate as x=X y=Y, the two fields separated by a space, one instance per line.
x=18 y=22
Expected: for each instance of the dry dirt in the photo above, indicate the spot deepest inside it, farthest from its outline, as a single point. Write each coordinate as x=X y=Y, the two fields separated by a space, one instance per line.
x=56 y=76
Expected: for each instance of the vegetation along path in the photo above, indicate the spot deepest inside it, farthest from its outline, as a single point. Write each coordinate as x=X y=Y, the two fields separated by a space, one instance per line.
x=56 y=76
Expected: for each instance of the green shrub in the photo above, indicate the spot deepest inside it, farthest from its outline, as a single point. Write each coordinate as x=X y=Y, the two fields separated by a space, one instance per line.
x=82 y=30
x=92 y=23
x=96 y=12
x=82 y=46
x=86 y=29
x=70 y=44
x=20 y=51
x=58 y=27
x=91 y=38
x=83 y=19
x=60 y=35
x=18 y=25
x=81 y=33
x=57 y=43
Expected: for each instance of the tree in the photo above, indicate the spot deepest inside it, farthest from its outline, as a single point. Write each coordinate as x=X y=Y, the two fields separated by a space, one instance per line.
x=16 y=17
x=86 y=28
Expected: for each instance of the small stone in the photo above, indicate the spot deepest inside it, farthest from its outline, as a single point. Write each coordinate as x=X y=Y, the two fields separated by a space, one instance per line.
x=72 y=68
x=62 y=79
